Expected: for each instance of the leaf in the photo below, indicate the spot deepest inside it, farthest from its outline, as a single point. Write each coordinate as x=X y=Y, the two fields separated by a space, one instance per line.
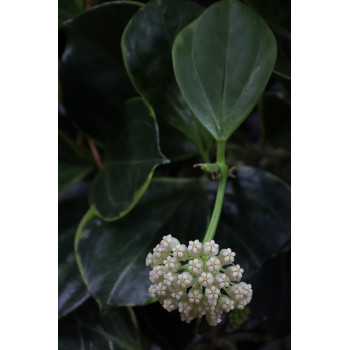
x=152 y=319
x=222 y=63
x=149 y=63
x=255 y=220
x=271 y=303
x=90 y=331
x=93 y=79
x=111 y=255
x=74 y=162
x=68 y=9
x=275 y=12
x=132 y=155
x=72 y=291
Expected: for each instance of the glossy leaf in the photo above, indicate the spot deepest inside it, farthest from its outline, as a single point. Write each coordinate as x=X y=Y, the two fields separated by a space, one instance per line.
x=112 y=255
x=149 y=63
x=68 y=9
x=89 y=331
x=72 y=291
x=132 y=154
x=222 y=62
x=152 y=318
x=94 y=82
x=74 y=162
x=255 y=220
x=271 y=304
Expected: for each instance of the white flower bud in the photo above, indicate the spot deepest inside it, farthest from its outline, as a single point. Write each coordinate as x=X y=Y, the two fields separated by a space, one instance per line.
x=226 y=303
x=211 y=248
x=178 y=293
x=180 y=252
x=195 y=296
x=213 y=264
x=169 y=242
x=222 y=281
x=170 y=305
x=168 y=278
x=196 y=266
x=184 y=307
x=206 y=279
x=185 y=280
x=227 y=256
x=152 y=291
x=171 y=264
x=195 y=248
x=234 y=272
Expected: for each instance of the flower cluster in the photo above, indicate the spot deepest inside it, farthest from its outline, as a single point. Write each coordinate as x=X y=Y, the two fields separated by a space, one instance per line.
x=197 y=279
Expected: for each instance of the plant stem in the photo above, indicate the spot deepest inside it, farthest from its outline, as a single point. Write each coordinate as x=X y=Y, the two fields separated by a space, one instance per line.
x=220 y=161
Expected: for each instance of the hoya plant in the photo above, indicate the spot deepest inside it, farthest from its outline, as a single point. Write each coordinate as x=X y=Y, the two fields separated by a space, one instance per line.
x=174 y=174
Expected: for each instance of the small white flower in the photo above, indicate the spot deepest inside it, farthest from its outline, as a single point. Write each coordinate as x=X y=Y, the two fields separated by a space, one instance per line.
x=195 y=248
x=152 y=291
x=211 y=248
x=161 y=289
x=184 y=307
x=178 y=293
x=226 y=303
x=195 y=296
x=180 y=252
x=158 y=251
x=149 y=259
x=206 y=279
x=222 y=280
x=234 y=272
x=199 y=311
x=227 y=256
x=185 y=280
x=170 y=305
x=186 y=317
x=213 y=264
x=169 y=242
x=168 y=278
x=241 y=293
x=214 y=316
x=171 y=263
x=196 y=266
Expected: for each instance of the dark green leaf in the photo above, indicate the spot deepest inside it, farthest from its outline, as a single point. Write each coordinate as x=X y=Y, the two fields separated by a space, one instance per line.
x=152 y=319
x=87 y=331
x=68 y=9
x=255 y=221
x=275 y=12
x=111 y=255
x=74 y=162
x=132 y=155
x=271 y=303
x=149 y=63
x=277 y=120
x=72 y=291
x=94 y=82
x=222 y=62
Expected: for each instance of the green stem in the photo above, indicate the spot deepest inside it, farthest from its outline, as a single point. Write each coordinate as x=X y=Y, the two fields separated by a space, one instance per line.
x=220 y=161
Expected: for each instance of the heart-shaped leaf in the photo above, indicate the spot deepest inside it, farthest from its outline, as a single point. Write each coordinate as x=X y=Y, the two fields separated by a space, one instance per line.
x=111 y=255
x=255 y=220
x=149 y=63
x=132 y=154
x=74 y=162
x=222 y=62
x=93 y=79
x=89 y=330
x=72 y=291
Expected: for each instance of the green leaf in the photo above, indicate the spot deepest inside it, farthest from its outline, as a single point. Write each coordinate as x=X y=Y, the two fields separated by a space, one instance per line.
x=94 y=82
x=149 y=63
x=68 y=9
x=255 y=220
x=132 y=154
x=111 y=255
x=152 y=319
x=222 y=62
x=271 y=303
x=74 y=162
x=72 y=291
x=275 y=12
x=90 y=331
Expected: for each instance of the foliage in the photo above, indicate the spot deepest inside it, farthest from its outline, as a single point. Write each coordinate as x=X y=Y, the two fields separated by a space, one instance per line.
x=147 y=90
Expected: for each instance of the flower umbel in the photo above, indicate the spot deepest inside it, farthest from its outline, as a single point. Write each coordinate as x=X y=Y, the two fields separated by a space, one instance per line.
x=197 y=279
